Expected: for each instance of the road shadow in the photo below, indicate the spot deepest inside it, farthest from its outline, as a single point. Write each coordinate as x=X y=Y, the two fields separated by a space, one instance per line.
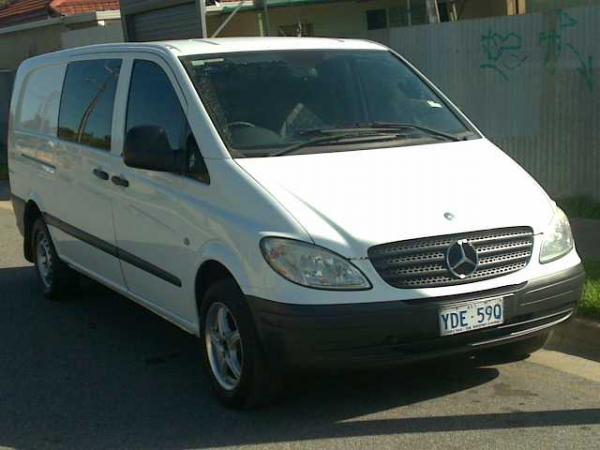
x=100 y=371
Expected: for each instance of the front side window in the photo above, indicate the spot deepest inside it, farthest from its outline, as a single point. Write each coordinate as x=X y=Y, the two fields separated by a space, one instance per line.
x=153 y=103
x=87 y=102
x=268 y=103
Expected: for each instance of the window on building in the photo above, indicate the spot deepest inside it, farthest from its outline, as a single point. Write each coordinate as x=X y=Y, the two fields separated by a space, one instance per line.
x=418 y=12
x=415 y=12
x=447 y=10
x=399 y=15
x=376 y=19
x=87 y=102
x=443 y=12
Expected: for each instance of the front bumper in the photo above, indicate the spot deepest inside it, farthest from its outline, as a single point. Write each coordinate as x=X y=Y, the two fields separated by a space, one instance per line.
x=387 y=333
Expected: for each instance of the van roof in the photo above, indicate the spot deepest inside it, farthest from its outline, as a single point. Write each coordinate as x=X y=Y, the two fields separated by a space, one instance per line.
x=225 y=45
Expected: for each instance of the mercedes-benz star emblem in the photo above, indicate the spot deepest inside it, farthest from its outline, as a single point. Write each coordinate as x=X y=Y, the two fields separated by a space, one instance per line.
x=462 y=259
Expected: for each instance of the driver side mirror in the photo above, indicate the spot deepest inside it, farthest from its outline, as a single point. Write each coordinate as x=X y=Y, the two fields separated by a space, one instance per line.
x=147 y=147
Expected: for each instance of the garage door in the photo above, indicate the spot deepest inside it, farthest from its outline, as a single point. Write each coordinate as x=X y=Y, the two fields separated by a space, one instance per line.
x=175 y=22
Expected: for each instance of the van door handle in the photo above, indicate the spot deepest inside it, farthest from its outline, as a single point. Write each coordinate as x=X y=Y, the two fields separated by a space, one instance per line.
x=100 y=174
x=120 y=181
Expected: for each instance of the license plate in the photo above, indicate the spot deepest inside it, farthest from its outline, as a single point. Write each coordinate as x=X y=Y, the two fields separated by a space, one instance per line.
x=459 y=318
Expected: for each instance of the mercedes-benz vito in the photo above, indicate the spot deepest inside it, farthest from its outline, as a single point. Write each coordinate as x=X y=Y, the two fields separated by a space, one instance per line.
x=293 y=202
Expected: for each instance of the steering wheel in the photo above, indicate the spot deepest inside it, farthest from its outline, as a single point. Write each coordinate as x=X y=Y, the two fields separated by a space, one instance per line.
x=240 y=124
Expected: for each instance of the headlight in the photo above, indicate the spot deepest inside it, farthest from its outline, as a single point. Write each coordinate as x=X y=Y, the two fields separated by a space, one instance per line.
x=312 y=266
x=558 y=240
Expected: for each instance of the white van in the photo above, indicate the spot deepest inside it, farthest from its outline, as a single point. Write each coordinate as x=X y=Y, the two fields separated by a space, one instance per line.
x=293 y=202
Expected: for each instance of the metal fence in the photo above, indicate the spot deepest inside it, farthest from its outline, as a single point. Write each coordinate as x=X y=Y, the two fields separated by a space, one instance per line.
x=531 y=83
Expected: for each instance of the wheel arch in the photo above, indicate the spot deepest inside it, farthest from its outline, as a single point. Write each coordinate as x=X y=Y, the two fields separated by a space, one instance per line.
x=209 y=272
x=216 y=263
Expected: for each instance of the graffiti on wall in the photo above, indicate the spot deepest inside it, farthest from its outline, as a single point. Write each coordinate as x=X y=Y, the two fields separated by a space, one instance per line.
x=504 y=52
x=556 y=46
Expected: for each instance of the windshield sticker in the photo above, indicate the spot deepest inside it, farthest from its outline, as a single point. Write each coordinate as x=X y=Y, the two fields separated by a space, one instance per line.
x=201 y=62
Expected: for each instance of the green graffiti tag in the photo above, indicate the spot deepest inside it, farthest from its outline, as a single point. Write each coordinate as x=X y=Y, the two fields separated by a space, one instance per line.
x=502 y=52
x=555 y=46
x=586 y=67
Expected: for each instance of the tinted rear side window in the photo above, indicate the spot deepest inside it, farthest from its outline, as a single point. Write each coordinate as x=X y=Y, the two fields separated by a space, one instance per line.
x=86 y=106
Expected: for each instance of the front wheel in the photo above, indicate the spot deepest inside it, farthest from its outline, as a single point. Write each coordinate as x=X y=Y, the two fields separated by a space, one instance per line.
x=234 y=361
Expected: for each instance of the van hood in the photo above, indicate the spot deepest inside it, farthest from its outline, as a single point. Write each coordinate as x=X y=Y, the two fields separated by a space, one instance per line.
x=350 y=201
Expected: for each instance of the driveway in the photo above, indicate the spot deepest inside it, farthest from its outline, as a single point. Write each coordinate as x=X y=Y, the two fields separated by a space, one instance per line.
x=100 y=372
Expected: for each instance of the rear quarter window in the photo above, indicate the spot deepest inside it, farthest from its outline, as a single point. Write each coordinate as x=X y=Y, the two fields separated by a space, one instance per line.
x=40 y=98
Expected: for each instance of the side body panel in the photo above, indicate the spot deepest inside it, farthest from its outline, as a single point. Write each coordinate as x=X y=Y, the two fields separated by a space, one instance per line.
x=81 y=219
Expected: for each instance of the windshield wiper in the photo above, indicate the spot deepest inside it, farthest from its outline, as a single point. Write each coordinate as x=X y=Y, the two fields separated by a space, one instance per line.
x=398 y=126
x=383 y=130
x=339 y=135
x=384 y=127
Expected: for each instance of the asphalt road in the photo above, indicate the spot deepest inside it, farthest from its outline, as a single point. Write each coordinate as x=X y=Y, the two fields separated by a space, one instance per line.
x=100 y=372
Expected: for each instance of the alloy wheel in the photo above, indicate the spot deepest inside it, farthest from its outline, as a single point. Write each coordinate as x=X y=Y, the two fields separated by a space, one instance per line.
x=224 y=346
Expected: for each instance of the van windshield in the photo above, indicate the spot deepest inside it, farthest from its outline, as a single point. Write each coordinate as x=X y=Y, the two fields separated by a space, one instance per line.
x=271 y=103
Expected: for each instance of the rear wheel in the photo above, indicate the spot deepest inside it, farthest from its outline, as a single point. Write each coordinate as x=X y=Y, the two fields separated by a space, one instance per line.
x=57 y=279
x=234 y=360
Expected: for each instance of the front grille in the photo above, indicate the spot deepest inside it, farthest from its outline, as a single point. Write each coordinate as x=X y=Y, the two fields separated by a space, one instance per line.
x=421 y=263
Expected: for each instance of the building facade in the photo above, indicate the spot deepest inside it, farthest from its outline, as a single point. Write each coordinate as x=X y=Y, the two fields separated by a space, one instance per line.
x=146 y=20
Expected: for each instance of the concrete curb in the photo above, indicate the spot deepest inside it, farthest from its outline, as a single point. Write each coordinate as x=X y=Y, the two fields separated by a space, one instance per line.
x=579 y=337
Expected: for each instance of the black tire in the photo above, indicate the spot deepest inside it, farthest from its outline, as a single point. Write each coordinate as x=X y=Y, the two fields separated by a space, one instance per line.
x=258 y=384
x=60 y=280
